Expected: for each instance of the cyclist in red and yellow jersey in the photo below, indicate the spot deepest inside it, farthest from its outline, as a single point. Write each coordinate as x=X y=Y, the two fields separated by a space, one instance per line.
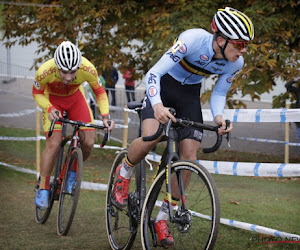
x=58 y=87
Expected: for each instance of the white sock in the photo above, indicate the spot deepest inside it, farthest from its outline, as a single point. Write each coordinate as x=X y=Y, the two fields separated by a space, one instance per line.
x=163 y=213
x=126 y=170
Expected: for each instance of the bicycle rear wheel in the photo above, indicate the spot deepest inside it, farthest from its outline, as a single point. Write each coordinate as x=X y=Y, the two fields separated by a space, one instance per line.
x=121 y=227
x=194 y=228
x=68 y=200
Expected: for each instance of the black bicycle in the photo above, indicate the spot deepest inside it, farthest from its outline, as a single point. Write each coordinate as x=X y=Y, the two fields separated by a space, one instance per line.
x=194 y=222
x=67 y=160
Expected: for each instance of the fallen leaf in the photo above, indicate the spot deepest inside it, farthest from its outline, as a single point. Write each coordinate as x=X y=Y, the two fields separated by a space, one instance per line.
x=232 y=201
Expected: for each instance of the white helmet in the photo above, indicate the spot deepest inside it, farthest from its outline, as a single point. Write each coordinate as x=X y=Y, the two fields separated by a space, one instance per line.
x=233 y=24
x=67 y=56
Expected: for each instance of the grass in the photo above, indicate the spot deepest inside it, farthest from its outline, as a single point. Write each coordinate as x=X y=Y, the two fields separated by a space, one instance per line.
x=269 y=202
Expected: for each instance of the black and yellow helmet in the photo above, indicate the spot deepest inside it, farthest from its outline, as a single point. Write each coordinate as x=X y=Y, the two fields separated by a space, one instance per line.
x=233 y=24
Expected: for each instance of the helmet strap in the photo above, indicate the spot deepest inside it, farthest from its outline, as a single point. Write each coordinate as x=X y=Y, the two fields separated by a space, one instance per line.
x=224 y=47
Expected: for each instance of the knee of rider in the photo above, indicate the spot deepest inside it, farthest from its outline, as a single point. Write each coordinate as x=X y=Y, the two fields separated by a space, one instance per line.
x=188 y=156
x=53 y=145
x=88 y=144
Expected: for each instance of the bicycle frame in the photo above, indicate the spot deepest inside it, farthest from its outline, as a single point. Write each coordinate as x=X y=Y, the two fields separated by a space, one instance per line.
x=61 y=168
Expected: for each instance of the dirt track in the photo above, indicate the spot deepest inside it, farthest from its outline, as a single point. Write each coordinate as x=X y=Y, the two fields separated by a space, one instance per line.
x=16 y=97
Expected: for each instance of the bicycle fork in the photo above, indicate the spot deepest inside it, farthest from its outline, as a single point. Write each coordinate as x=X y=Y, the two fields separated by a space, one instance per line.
x=182 y=216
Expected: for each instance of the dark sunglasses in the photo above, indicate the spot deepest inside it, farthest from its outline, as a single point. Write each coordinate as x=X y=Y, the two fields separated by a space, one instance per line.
x=239 y=44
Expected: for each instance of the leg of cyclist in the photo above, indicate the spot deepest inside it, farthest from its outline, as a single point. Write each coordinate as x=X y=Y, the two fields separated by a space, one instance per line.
x=185 y=100
x=137 y=151
x=47 y=164
x=87 y=137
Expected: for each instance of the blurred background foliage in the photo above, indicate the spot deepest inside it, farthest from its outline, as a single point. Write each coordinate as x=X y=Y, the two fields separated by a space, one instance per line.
x=139 y=32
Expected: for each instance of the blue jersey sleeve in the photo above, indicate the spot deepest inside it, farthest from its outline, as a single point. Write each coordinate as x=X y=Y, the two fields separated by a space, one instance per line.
x=218 y=96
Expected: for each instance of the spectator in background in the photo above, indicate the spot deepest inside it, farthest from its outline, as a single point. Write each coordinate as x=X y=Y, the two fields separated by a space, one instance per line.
x=129 y=83
x=111 y=78
x=292 y=88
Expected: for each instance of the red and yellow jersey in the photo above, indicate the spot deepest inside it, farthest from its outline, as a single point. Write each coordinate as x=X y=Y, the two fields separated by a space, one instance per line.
x=48 y=82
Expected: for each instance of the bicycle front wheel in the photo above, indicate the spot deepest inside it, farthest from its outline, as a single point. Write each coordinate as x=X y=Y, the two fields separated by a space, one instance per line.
x=70 y=190
x=196 y=218
x=121 y=225
x=42 y=215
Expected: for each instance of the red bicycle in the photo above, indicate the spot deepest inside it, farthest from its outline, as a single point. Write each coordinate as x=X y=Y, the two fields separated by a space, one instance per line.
x=69 y=159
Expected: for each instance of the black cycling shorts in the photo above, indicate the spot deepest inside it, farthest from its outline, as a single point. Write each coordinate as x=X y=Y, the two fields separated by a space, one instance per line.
x=185 y=99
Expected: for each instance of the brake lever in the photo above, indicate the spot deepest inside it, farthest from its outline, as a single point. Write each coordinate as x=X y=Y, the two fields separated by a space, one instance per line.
x=228 y=136
x=172 y=111
x=108 y=131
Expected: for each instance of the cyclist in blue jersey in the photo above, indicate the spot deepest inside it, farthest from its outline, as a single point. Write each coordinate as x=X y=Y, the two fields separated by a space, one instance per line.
x=175 y=81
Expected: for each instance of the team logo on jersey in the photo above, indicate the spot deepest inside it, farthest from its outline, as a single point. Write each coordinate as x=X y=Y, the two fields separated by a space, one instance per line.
x=183 y=49
x=200 y=63
x=179 y=45
x=152 y=79
x=229 y=79
x=204 y=57
x=36 y=84
x=152 y=91
x=173 y=57
x=89 y=69
x=46 y=73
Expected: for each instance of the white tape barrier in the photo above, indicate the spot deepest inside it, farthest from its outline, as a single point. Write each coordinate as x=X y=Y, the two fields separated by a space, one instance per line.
x=257 y=115
x=243 y=225
x=215 y=167
x=19 y=114
x=100 y=123
x=258 y=140
x=235 y=115
x=84 y=184
x=12 y=138
x=266 y=140
x=245 y=168
x=260 y=229
x=24 y=170
x=252 y=169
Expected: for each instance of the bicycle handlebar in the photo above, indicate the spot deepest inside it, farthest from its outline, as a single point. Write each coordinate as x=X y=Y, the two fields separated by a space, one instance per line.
x=186 y=123
x=81 y=124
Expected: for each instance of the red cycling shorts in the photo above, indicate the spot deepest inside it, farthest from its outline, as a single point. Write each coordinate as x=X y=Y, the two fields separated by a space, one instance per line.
x=76 y=107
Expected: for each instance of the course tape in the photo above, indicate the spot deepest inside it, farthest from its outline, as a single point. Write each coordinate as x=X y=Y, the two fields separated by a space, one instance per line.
x=245 y=226
x=13 y=138
x=245 y=168
x=260 y=229
x=216 y=167
x=235 y=115
x=257 y=115
x=238 y=224
x=19 y=114
x=84 y=184
x=258 y=140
